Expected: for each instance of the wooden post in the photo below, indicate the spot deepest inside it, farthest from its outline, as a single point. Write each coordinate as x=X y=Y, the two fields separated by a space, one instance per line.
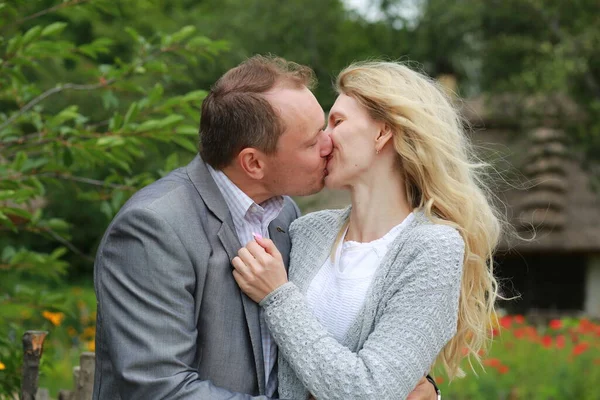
x=33 y=347
x=84 y=385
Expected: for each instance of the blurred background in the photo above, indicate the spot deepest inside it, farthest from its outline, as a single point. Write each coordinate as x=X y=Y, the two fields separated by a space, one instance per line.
x=99 y=98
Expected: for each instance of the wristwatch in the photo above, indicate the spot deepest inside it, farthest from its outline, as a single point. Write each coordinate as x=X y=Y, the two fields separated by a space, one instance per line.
x=437 y=389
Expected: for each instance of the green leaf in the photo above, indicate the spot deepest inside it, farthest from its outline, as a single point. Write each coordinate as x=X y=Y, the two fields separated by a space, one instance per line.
x=67 y=157
x=19 y=161
x=6 y=194
x=106 y=210
x=131 y=113
x=187 y=130
x=7 y=253
x=115 y=122
x=19 y=212
x=134 y=34
x=4 y=220
x=185 y=143
x=109 y=100
x=183 y=33
x=14 y=44
x=172 y=162
x=155 y=94
x=54 y=29
x=110 y=141
x=69 y=113
x=31 y=35
x=171 y=120
x=57 y=224
x=58 y=253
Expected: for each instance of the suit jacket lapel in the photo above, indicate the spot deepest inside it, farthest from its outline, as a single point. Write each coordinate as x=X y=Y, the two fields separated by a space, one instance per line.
x=280 y=237
x=212 y=197
x=231 y=244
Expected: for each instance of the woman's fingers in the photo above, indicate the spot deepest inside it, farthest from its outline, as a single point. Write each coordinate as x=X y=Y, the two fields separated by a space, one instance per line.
x=257 y=272
x=248 y=258
x=241 y=268
x=268 y=246
x=258 y=253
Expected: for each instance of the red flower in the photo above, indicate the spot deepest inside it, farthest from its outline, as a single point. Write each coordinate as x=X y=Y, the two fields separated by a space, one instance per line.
x=503 y=369
x=560 y=341
x=519 y=319
x=580 y=348
x=492 y=362
x=585 y=325
x=555 y=324
x=519 y=333
x=547 y=341
x=506 y=322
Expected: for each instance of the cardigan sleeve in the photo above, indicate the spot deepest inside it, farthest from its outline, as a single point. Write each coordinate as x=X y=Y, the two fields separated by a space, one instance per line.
x=418 y=319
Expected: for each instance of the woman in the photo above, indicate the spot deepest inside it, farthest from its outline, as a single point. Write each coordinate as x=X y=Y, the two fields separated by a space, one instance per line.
x=379 y=290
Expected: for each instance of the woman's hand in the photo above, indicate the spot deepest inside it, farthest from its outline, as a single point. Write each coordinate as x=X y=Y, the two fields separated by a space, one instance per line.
x=258 y=268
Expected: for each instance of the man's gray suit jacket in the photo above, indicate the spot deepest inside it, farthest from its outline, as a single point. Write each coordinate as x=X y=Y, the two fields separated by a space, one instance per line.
x=172 y=322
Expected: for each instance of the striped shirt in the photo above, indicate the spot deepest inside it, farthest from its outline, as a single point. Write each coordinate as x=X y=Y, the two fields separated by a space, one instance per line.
x=249 y=217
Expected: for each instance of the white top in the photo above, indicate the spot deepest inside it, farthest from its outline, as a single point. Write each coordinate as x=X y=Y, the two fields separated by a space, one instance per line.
x=338 y=291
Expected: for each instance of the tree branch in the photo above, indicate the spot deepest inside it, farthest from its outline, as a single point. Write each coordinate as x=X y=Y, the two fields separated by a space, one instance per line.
x=68 y=244
x=50 y=92
x=66 y=177
x=47 y=11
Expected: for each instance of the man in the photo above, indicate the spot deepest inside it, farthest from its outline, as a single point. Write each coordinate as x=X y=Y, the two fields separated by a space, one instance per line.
x=172 y=322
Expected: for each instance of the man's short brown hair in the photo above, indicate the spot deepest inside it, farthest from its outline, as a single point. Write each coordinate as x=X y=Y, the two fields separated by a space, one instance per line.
x=236 y=114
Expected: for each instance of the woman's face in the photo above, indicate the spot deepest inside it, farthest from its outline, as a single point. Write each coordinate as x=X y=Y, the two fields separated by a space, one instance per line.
x=353 y=133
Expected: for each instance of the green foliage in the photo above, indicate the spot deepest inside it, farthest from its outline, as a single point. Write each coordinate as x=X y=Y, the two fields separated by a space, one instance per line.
x=527 y=49
x=78 y=120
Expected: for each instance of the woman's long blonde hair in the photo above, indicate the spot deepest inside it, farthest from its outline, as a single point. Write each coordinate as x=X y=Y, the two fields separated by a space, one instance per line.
x=444 y=179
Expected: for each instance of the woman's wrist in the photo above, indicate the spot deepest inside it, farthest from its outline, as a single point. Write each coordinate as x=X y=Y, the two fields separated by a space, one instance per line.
x=276 y=295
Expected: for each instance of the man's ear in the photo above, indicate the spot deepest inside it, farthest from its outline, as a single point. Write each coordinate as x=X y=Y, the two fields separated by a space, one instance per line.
x=252 y=162
x=385 y=134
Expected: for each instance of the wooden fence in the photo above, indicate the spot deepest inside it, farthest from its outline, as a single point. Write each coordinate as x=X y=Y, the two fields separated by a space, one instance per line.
x=83 y=374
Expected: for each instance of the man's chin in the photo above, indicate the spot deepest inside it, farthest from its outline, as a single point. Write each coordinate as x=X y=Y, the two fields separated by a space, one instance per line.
x=309 y=190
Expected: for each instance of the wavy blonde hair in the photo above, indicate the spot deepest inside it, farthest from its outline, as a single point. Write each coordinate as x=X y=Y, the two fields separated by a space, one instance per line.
x=444 y=179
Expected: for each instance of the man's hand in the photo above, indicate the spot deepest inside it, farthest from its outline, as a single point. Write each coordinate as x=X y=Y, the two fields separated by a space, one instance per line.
x=423 y=391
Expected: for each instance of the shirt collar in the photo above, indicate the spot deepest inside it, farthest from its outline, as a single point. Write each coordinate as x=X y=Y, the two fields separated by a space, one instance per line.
x=239 y=203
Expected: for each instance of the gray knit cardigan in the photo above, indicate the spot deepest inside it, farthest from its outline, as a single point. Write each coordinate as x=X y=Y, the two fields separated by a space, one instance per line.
x=410 y=313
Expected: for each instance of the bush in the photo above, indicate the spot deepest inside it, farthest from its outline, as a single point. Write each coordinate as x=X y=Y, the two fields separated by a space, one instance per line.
x=560 y=360
x=75 y=122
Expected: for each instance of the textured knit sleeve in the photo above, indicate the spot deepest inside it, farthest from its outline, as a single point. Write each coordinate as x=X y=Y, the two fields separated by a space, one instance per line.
x=419 y=316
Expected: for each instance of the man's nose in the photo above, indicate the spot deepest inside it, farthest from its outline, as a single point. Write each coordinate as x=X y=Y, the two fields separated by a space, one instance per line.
x=327 y=146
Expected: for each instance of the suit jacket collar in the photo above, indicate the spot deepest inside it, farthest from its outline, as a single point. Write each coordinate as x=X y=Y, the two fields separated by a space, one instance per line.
x=208 y=190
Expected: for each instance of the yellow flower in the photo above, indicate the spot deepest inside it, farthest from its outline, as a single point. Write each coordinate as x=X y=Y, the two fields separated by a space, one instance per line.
x=55 y=318
x=72 y=331
x=2 y=366
x=89 y=332
x=91 y=345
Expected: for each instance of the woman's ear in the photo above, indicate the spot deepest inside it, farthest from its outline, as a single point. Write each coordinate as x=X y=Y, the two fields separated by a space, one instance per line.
x=252 y=162
x=385 y=134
